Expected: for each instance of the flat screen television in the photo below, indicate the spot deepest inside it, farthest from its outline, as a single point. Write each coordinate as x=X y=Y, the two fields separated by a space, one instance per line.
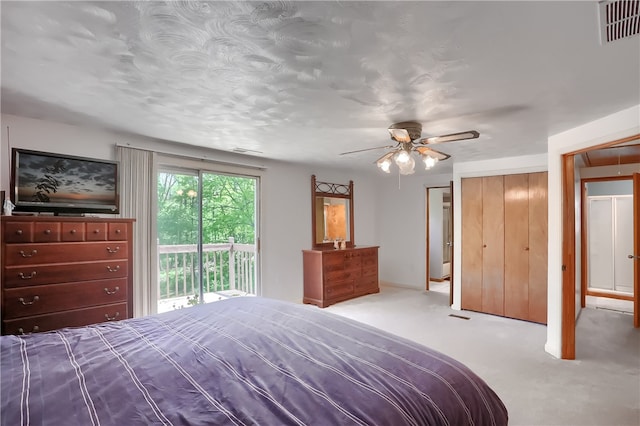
x=57 y=183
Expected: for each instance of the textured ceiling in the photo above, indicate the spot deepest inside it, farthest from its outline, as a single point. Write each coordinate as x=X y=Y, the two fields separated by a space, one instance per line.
x=305 y=81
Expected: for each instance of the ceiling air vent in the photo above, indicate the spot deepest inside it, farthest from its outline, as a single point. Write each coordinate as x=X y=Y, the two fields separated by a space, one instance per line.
x=619 y=19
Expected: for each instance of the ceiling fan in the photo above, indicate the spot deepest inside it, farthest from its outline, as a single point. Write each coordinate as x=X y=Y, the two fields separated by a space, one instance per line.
x=407 y=137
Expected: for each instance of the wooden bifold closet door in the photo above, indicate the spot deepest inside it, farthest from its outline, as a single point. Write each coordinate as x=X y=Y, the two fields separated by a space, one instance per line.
x=504 y=245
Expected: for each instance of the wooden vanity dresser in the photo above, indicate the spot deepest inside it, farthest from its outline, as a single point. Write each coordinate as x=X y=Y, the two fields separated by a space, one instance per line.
x=332 y=276
x=64 y=272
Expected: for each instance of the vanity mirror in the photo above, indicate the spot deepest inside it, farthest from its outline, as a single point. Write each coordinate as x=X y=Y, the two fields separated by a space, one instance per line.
x=331 y=213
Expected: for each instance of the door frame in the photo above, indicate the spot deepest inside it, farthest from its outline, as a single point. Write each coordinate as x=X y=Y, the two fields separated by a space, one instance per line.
x=173 y=163
x=568 y=327
x=427 y=244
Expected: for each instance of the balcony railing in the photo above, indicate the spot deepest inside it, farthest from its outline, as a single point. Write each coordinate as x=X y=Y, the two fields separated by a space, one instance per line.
x=226 y=266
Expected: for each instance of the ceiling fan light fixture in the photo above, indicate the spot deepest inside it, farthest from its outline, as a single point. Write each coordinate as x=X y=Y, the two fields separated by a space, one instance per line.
x=384 y=165
x=429 y=161
x=408 y=167
x=402 y=157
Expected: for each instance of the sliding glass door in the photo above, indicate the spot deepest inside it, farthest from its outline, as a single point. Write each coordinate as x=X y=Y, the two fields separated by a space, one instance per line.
x=207 y=237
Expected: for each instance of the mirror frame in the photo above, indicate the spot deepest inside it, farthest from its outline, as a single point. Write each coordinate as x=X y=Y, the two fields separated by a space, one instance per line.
x=333 y=190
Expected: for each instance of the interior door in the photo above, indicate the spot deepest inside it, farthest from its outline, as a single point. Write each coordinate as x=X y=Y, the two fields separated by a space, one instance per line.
x=635 y=256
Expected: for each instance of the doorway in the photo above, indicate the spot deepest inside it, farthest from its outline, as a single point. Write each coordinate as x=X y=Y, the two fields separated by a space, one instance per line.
x=206 y=237
x=439 y=240
x=607 y=218
x=569 y=281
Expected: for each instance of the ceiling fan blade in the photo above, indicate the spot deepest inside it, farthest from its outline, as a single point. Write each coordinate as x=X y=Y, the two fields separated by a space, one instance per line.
x=366 y=149
x=388 y=155
x=423 y=150
x=471 y=134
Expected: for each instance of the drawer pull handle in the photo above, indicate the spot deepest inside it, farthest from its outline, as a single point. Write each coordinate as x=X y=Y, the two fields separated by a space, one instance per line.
x=33 y=253
x=34 y=300
x=47 y=231
x=110 y=269
x=34 y=330
x=115 y=250
x=19 y=232
x=118 y=231
x=73 y=231
x=114 y=291
x=96 y=231
x=108 y=318
x=27 y=277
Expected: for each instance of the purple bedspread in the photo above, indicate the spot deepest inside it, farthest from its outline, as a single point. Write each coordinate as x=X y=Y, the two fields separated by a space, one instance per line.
x=248 y=360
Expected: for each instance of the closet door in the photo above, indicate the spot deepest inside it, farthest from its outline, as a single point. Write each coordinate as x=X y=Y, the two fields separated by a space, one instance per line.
x=471 y=262
x=516 y=246
x=493 y=245
x=538 y=246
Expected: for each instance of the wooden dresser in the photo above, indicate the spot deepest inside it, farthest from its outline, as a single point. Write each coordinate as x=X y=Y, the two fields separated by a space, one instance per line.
x=332 y=276
x=65 y=272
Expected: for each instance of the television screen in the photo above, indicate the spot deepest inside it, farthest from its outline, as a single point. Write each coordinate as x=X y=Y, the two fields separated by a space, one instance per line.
x=47 y=182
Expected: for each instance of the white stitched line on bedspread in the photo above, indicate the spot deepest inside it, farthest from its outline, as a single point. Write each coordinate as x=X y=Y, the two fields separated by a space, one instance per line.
x=388 y=373
x=145 y=393
x=187 y=376
x=93 y=415
x=328 y=367
x=479 y=391
x=230 y=367
x=318 y=392
x=26 y=382
x=416 y=347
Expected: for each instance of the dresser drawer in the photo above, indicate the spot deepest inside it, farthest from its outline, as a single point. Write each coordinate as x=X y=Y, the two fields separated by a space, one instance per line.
x=75 y=318
x=46 y=232
x=370 y=261
x=31 y=254
x=370 y=270
x=73 y=231
x=18 y=232
x=333 y=258
x=118 y=231
x=97 y=231
x=367 y=284
x=341 y=275
x=352 y=262
x=338 y=289
x=30 y=275
x=35 y=300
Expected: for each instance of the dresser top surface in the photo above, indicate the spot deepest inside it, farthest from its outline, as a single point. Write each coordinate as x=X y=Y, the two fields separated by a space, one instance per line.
x=331 y=250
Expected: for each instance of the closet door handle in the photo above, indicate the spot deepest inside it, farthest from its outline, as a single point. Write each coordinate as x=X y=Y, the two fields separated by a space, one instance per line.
x=633 y=257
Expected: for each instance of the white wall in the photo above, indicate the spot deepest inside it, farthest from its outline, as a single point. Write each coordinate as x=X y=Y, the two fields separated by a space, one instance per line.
x=285 y=191
x=615 y=126
x=401 y=224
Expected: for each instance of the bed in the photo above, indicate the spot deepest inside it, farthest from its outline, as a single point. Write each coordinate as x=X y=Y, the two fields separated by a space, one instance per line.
x=240 y=361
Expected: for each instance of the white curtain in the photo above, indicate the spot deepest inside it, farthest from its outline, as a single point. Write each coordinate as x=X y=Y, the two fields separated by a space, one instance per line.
x=136 y=190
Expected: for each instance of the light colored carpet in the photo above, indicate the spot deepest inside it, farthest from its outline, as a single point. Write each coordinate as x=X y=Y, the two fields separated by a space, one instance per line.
x=602 y=387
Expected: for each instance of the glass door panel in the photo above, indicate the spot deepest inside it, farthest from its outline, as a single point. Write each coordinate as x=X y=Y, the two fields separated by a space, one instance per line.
x=178 y=238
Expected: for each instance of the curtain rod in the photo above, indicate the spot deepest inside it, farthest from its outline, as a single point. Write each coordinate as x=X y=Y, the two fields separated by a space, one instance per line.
x=202 y=157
